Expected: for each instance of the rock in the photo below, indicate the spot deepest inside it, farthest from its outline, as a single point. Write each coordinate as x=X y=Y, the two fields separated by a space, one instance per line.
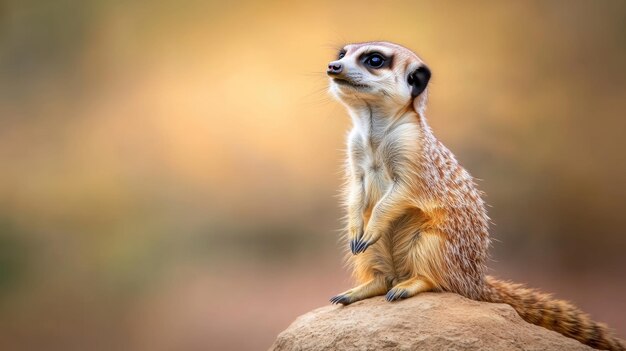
x=429 y=321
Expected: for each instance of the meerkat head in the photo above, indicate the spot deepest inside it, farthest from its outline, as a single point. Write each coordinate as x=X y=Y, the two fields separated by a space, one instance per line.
x=380 y=73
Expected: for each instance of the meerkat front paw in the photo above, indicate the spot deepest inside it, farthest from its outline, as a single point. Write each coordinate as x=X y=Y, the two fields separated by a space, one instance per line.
x=355 y=235
x=368 y=239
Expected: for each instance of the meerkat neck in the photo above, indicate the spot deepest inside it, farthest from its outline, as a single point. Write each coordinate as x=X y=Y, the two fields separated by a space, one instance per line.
x=374 y=120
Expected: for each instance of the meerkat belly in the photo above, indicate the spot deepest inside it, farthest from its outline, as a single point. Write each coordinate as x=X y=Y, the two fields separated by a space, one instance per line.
x=394 y=245
x=401 y=239
x=376 y=181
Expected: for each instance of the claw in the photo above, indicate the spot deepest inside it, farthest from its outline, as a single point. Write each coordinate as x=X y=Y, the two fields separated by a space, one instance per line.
x=353 y=243
x=342 y=299
x=363 y=245
x=356 y=239
x=395 y=294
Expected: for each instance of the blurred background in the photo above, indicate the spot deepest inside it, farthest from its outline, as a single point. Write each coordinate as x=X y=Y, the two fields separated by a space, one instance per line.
x=170 y=168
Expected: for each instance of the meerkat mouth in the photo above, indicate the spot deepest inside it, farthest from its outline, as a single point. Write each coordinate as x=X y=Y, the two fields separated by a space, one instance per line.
x=348 y=83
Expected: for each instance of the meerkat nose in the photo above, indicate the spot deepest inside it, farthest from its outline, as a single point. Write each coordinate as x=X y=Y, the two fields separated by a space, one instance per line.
x=334 y=68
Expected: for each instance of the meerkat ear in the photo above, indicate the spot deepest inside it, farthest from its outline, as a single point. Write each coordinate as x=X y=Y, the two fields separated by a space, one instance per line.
x=418 y=80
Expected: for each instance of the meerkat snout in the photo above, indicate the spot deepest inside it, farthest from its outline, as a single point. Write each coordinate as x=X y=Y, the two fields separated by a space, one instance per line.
x=334 y=68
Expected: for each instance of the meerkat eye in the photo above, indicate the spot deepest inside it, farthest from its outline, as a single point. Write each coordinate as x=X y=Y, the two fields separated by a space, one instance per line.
x=375 y=61
x=341 y=54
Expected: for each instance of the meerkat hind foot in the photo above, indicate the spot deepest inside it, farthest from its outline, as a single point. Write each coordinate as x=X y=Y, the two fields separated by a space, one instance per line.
x=374 y=287
x=343 y=299
x=408 y=288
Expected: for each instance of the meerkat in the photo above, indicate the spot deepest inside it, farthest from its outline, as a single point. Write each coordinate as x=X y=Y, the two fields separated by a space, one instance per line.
x=416 y=221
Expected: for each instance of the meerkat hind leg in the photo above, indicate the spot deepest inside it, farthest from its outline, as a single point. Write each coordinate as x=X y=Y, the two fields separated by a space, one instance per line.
x=374 y=287
x=425 y=263
x=408 y=288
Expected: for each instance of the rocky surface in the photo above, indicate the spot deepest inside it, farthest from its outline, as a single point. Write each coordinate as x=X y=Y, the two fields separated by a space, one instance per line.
x=429 y=321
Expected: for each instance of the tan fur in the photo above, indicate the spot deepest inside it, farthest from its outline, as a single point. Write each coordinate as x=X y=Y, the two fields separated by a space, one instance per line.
x=416 y=212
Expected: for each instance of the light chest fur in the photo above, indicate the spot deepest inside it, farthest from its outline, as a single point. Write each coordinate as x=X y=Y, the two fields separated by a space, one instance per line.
x=376 y=146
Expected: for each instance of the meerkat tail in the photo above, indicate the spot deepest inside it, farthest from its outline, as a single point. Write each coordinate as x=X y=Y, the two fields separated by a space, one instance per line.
x=557 y=315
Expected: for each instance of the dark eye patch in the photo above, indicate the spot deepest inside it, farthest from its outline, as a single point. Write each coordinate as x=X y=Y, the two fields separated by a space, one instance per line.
x=341 y=54
x=375 y=60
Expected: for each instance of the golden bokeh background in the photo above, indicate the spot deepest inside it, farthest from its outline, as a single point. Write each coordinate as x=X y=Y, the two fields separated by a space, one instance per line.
x=170 y=168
